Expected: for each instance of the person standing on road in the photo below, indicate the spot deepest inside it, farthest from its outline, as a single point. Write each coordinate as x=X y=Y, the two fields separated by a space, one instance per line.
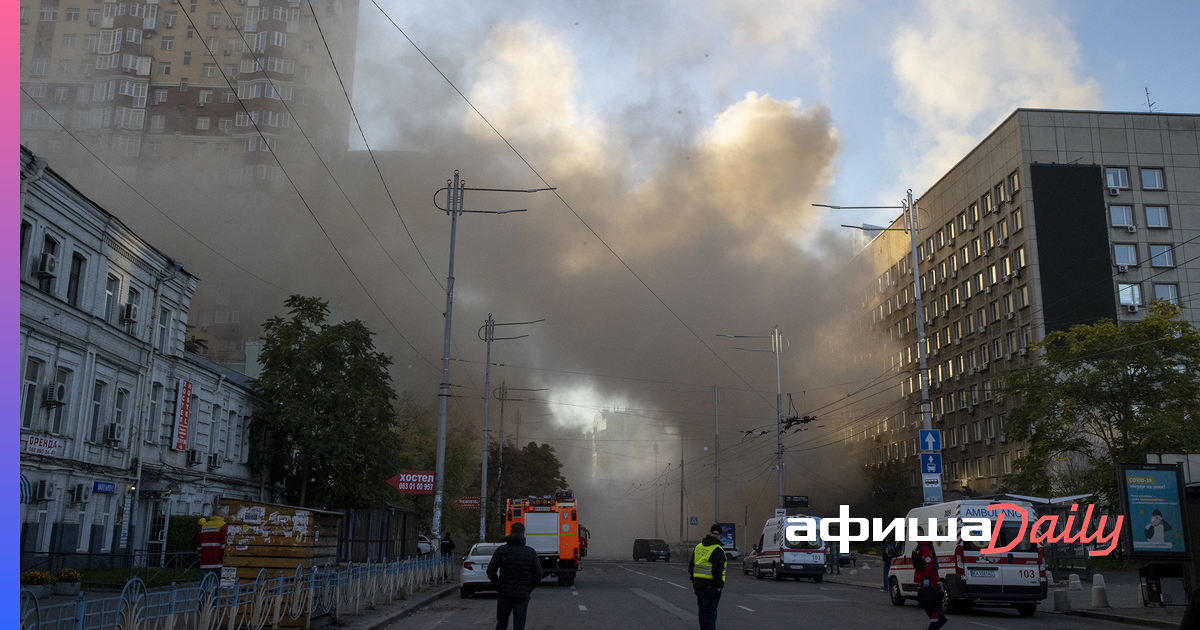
x=889 y=553
x=925 y=574
x=707 y=568
x=447 y=544
x=210 y=544
x=514 y=571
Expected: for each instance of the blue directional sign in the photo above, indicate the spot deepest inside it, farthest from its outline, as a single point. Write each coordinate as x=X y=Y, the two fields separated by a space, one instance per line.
x=930 y=440
x=931 y=463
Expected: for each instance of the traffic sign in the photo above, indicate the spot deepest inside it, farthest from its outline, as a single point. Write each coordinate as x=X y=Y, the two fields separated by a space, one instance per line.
x=930 y=440
x=931 y=463
x=693 y=520
x=931 y=488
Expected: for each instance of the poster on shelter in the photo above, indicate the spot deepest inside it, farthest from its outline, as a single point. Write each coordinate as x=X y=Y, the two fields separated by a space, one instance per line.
x=1155 y=514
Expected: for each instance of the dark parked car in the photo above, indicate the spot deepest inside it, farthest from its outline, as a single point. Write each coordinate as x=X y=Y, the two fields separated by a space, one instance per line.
x=651 y=549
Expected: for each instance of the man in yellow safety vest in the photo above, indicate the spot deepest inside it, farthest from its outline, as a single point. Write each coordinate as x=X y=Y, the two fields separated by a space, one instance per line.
x=707 y=568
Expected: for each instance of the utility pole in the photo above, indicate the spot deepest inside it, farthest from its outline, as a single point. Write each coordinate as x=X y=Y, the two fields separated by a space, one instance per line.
x=487 y=333
x=777 y=347
x=454 y=207
x=681 y=515
x=501 y=394
x=656 y=491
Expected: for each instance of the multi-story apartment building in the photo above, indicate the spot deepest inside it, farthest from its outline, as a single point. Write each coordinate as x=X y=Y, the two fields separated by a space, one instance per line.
x=1057 y=218
x=120 y=427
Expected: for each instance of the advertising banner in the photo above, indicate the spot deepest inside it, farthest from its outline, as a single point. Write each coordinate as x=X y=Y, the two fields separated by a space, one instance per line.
x=183 y=414
x=728 y=534
x=1152 y=497
x=413 y=482
x=42 y=445
x=469 y=503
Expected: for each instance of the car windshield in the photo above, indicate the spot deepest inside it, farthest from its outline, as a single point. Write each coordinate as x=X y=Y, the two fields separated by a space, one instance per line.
x=483 y=551
x=804 y=544
x=657 y=543
x=1007 y=534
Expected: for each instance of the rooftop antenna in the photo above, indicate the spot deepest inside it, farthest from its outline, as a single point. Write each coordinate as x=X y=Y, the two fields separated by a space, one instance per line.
x=1149 y=104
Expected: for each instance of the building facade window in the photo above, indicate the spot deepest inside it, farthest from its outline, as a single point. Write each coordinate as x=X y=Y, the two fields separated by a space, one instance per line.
x=1124 y=254
x=1168 y=292
x=1156 y=217
x=97 y=411
x=131 y=309
x=1122 y=216
x=152 y=418
x=30 y=404
x=1152 y=178
x=1130 y=294
x=75 y=279
x=49 y=248
x=1162 y=256
x=63 y=377
x=1117 y=177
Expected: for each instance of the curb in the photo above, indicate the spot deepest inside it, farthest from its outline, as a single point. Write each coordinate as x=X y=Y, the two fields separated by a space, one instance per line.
x=411 y=607
x=1133 y=621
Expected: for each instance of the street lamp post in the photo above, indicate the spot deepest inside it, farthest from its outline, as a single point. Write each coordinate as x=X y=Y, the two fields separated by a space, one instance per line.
x=777 y=347
x=912 y=225
x=487 y=332
x=455 y=189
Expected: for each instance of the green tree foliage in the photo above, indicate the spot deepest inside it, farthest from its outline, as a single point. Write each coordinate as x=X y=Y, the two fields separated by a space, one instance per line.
x=891 y=493
x=327 y=426
x=530 y=471
x=418 y=451
x=1101 y=395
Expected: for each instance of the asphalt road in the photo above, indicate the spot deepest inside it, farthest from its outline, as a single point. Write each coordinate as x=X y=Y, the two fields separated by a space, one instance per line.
x=659 y=596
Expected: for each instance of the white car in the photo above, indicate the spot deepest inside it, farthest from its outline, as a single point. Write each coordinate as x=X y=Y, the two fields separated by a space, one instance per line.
x=424 y=545
x=474 y=569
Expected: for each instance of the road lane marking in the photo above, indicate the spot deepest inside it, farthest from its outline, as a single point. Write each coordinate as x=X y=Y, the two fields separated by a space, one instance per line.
x=665 y=605
x=744 y=608
x=639 y=573
x=796 y=598
x=986 y=625
x=675 y=585
x=583 y=608
x=574 y=592
x=658 y=578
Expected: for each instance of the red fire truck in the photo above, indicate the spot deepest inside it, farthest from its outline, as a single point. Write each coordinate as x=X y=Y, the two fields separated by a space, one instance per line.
x=552 y=529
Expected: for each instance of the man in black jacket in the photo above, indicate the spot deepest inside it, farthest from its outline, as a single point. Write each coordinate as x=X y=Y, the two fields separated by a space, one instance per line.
x=707 y=568
x=514 y=571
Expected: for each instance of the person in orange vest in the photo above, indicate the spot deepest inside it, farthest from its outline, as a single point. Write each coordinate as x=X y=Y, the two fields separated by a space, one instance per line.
x=210 y=544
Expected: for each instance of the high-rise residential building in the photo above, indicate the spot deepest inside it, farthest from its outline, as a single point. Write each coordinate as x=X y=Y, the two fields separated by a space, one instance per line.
x=1057 y=218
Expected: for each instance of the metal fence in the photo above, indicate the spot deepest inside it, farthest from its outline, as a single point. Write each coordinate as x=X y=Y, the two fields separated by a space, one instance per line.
x=266 y=602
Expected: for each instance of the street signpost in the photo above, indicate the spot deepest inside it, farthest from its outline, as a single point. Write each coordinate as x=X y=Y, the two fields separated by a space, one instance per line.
x=931 y=464
x=930 y=440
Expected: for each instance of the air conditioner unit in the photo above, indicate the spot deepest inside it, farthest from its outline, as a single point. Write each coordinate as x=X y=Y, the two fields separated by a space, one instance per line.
x=943 y=279
x=1016 y=273
x=970 y=408
x=958 y=377
x=984 y=367
x=56 y=395
x=241 y=1
x=986 y=252
x=171 y=25
x=24 y=20
x=1131 y=228
x=194 y=457
x=962 y=447
x=1023 y=351
x=1008 y=357
x=229 y=27
x=874 y=438
x=44 y=490
x=1002 y=242
x=114 y=432
x=200 y=104
x=48 y=266
x=91 y=22
x=153 y=103
x=953 y=274
x=226 y=53
x=958 y=342
x=1113 y=192
x=1011 y=316
x=214 y=460
x=1003 y=439
x=1122 y=268
x=950 y=240
x=80 y=493
x=1008 y=277
x=989 y=441
x=1132 y=308
x=970 y=227
x=129 y=314
x=987 y=290
x=982 y=329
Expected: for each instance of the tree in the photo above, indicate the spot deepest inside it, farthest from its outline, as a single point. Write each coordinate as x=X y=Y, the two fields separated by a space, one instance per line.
x=327 y=426
x=1101 y=395
x=530 y=471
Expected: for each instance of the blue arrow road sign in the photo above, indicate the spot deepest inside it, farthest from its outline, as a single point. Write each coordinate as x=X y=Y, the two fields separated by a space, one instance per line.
x=930 y=440
x=931 y=463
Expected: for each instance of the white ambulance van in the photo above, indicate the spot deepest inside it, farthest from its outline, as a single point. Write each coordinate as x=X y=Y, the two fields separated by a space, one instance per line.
x=779 y=558
x=1016 y=578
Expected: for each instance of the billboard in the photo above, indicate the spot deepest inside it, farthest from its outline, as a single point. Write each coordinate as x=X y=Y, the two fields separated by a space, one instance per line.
x=183 y=415
x=1152 y=498
x=413 y=482
x=728 y=534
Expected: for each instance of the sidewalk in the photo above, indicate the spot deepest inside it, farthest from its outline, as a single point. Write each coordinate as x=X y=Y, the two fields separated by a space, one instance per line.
x=1124 y=598
x=387 y=614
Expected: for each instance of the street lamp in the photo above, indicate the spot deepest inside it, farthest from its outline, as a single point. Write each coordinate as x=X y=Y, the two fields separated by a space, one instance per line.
x=487 y=333
x=777 y=347
x=912 y=225
x=455 y=190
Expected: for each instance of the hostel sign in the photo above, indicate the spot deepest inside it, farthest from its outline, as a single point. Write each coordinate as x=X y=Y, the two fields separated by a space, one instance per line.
x=413 y=482
x=183 y=414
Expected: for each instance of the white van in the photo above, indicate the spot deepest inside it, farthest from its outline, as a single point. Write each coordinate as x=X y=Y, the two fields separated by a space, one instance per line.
x=1016 y=578
x=779 y=558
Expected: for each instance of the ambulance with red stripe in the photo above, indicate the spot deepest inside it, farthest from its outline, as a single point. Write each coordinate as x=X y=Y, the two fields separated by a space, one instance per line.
x=969 y=578
x=778 y=557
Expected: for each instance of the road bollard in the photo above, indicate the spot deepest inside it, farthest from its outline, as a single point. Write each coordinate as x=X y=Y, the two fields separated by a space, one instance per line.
x=1062 y=602
x=1099 y=592
x=1073 y=583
